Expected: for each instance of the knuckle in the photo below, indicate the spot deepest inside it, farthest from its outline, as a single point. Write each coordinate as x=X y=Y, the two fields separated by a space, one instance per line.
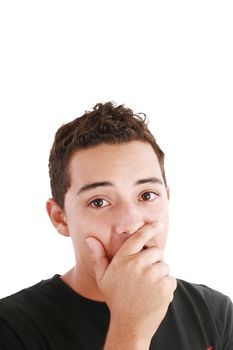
x=164 y=286
x=137 y=264
x=166 y=269
x=167 y=286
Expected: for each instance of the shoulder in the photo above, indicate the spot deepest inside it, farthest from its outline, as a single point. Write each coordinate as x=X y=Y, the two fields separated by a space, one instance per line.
x=202 y=293
x=8 y=338
x=22 y=314
x=25 y=301
x=209 y=304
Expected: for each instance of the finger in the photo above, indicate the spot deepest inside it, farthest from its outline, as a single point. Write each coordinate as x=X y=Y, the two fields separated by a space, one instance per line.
x=136 y=241
x=160 y=270
x=167 y=286
x=173 y=285
x=99 y=257
x=151 y=256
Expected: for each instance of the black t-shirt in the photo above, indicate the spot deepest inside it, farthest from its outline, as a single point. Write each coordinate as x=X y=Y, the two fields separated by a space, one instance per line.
x=51 y=316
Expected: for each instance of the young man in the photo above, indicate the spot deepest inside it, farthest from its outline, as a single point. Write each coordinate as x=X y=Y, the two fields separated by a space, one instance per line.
x=110 y=196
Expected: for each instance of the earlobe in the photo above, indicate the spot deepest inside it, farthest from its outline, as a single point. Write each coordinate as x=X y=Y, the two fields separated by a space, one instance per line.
x=57 y=217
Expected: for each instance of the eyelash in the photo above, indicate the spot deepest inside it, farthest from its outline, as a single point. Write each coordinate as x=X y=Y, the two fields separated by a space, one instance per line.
x=99 y=198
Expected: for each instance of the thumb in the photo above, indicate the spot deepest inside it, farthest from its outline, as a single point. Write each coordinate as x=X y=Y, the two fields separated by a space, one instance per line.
x=99 y=257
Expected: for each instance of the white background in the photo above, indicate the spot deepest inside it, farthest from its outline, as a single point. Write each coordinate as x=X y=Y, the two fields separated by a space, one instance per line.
x=169 y=59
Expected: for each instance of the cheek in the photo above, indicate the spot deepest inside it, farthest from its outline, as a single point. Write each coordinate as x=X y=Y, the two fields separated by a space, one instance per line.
x=160 y=213
x=90 y=225
x=156 y=211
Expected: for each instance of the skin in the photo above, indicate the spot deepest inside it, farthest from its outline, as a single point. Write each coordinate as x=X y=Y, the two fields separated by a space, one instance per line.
x=118 y=221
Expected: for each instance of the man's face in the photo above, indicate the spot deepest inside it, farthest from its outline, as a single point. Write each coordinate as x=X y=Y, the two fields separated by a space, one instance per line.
x=115 y=190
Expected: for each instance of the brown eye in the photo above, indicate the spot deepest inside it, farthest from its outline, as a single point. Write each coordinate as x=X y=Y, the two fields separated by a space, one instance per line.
x=148 y=196
x=98 y=203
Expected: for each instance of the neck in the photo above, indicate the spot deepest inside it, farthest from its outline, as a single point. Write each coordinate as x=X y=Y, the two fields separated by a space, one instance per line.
x=82 y=284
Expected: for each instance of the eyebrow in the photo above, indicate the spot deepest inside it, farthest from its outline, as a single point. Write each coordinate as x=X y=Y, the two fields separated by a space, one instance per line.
x=88 y=187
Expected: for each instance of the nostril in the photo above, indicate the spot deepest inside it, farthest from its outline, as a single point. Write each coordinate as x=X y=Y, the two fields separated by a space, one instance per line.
x=121 y=229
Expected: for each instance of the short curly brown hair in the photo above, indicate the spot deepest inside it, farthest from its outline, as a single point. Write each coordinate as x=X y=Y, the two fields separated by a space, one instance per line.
x=106 y=124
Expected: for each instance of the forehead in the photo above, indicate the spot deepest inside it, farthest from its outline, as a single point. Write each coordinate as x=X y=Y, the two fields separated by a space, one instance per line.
x=130 y=160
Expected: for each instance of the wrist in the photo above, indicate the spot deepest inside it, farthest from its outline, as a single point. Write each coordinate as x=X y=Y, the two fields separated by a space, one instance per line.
x=124 y=338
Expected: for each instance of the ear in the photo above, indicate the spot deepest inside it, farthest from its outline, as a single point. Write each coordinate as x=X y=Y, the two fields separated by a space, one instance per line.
x=57 y=217
x=168 y=192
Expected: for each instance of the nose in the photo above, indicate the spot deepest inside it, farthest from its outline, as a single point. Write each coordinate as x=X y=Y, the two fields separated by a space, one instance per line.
x=128 y=219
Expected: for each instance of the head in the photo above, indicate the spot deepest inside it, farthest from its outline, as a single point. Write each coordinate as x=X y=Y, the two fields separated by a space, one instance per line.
x=105 y=124
x=107 y=178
